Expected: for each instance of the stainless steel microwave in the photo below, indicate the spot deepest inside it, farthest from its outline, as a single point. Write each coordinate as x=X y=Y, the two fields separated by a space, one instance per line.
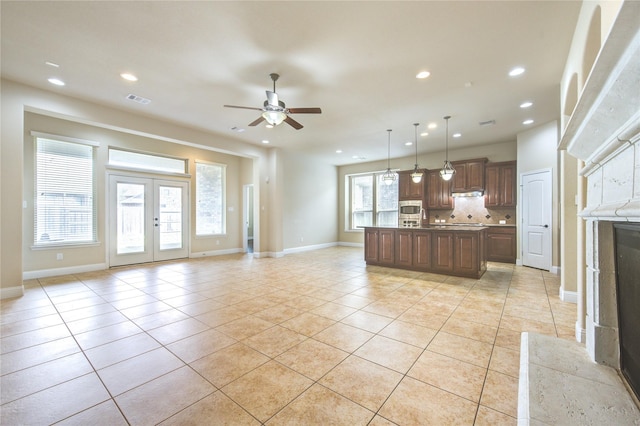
x=410 y=207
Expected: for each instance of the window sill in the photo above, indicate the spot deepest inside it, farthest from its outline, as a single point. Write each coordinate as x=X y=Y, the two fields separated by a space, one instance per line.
x=58 y=246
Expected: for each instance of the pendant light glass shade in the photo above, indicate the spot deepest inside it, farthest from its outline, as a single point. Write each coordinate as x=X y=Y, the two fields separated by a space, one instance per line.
x=447 y=171
x=389 y=177
x=416 y=176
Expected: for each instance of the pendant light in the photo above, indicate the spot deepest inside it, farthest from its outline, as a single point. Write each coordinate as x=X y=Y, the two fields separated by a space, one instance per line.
x=389 y=177
x=416 y=176
x=447 y=171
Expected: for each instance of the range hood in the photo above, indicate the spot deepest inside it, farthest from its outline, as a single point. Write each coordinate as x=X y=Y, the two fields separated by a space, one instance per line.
x=467 y=194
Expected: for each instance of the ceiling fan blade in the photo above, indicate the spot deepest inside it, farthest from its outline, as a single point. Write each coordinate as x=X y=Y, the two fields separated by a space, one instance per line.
x=242 y=107
x=272 y=98
x=293 y=123
x=305 y=111
x=257 y=121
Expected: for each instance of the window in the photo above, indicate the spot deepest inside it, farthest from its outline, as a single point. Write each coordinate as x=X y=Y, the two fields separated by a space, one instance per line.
x=65 y=209
x=210 y=199
x=373 y=203
x=152 y=162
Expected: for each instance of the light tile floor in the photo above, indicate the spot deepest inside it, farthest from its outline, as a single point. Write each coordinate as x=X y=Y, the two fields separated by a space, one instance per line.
x=310 y=338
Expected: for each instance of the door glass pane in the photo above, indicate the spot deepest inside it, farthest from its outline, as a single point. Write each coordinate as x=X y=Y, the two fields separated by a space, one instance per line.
x=170 y=221
x=130 y=218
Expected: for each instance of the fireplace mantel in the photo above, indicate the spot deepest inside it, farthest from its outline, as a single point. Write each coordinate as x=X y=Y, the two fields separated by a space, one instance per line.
x=606 y=118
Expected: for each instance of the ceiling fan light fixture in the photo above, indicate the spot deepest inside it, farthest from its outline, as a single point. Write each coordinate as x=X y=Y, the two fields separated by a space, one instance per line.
x=274 y=117
x=416 y=176
x=447 y=171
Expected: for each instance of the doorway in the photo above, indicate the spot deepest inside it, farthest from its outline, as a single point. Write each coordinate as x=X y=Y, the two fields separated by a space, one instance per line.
x=247 y=218
x=536 y=219
x=148 y=220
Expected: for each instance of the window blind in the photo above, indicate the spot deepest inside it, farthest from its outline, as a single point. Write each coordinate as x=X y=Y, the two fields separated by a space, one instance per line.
x=65 y=210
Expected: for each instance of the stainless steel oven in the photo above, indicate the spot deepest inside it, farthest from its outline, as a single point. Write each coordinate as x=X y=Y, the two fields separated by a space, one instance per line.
x=409 y=213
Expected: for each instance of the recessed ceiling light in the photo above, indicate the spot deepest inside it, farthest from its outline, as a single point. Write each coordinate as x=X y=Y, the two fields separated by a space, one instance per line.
x=526 y=104
x=408 y=143
x=264 y=141
x=129 y=77
x=269 y=126
x=338 y=151
x=56 y=81
x=432 y=126
x=424 y=134
x=358 y=157
x=529 y=121
x=516 y=71
x=456 y=135
x=423 y=74
x=237 y=129
x=52 y=64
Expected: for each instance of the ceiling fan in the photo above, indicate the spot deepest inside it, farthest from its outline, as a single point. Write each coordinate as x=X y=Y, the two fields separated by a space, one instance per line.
x=274 y=110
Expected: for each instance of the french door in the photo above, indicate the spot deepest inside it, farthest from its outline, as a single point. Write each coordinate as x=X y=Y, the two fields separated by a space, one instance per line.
x=148 y=220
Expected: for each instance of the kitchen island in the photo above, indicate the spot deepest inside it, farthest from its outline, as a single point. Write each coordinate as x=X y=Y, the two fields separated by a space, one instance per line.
x=458 y=251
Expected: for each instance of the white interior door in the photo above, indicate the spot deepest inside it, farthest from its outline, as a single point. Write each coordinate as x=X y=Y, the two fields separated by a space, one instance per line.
x=536 y=219
x=148 y=220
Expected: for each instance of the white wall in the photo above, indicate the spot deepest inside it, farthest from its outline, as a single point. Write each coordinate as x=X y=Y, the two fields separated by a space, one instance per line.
x=537 y=150
x=266 y=171
x=310 y=207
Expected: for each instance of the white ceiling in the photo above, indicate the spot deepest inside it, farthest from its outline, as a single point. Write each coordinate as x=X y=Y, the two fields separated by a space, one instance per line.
x=356 y=60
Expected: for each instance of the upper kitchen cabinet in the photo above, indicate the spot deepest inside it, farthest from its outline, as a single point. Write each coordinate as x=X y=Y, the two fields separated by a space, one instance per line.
x=439 y=192
x=501 y=186
x=469 y=175
x=408 y=189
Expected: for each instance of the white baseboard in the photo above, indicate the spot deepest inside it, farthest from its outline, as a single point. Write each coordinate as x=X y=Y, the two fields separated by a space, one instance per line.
x=263 y=254
x=351 y=244
x=214 y=253
x=42 y=273
x=569 y=296
x=581 y=333
x=309 y=248
x=11 y=292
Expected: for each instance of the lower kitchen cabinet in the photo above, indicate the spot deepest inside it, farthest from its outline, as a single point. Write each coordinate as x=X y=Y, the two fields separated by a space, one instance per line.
x=501 y=244
x=371 y=237
x=404 y=249
x=422 y=249
x=442 y=252
x=387 y=244
x=451 y=252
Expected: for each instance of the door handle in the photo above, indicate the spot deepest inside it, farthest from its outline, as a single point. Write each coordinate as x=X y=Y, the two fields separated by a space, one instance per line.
x=546 y=226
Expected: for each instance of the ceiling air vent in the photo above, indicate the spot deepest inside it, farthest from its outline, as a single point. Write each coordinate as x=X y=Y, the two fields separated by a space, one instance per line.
x=138 y=99
x=487 y=123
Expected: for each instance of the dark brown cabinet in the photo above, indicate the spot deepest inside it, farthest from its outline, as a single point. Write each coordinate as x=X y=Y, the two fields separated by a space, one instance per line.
x=439 y=193
x=469 y=175
x=387 y=242
x=422 y=249
x=451 y=252
x=501 y=186
x=442 y=252
x=408 y=189
x=371 y=245
x=501 y=244
x=404 y=248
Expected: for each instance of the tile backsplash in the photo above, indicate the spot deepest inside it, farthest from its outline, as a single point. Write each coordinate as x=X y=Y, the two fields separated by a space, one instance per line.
x=472 y=209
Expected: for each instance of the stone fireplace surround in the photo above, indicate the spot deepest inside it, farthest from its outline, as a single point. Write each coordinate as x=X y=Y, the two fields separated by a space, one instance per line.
x=559 y=382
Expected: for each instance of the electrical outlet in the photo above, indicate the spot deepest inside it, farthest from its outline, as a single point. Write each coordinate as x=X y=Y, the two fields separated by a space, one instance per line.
x=59 y=256
x=217 y=242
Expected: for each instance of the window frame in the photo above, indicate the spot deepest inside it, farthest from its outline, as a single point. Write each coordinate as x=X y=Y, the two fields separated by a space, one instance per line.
x=39 y=244
x=349 y=222
x=223 y=207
